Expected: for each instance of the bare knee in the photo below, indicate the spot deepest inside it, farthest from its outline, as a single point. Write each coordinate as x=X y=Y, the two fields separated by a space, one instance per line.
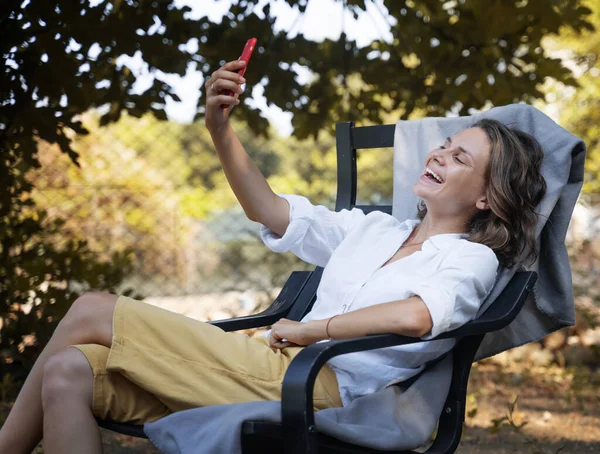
x=67 y=376
x=89 y=320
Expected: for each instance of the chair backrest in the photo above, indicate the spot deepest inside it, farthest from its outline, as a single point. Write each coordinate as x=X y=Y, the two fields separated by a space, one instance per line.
x=349 y=139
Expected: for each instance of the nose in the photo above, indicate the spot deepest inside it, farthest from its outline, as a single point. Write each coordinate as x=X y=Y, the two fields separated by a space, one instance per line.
x=438 y=156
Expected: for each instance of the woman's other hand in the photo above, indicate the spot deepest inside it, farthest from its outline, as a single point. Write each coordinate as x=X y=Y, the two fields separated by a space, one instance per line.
x=218 y=102
x=287 y=333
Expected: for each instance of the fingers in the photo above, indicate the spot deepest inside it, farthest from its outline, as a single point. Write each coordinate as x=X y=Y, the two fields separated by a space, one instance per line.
x=281 y=345
x=234 y=65
x=278 y=341
x=222 y=85
x=227 y=73
x=222 y=100
x=275 y=337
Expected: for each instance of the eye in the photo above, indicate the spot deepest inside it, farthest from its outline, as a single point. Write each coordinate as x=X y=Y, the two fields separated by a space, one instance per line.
x=442 y=147
x=456 y=158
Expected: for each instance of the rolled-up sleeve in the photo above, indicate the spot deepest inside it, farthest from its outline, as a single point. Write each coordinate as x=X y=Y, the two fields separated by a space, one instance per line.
x=463 y=282
x=314 y=231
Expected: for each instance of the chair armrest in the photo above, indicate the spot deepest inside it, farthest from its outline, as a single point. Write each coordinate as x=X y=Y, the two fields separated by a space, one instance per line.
x=278 y=309
x=307 y=296
x=297 y=415
x=298 y=419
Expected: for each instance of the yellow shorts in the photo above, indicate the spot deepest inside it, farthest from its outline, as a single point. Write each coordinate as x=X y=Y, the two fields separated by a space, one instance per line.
x=161 y=362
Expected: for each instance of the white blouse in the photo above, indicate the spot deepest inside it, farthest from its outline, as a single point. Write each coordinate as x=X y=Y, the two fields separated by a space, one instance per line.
x=451 y=275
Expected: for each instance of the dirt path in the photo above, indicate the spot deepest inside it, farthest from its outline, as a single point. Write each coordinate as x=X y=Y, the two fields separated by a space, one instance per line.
x=560 y=409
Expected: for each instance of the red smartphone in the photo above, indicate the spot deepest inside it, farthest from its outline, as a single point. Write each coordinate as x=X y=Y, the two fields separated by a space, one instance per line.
x=246 y=54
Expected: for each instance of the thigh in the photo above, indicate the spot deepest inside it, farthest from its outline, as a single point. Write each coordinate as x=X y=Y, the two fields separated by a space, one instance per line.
x=186 y=363
x=326 y=391
x=114 y=397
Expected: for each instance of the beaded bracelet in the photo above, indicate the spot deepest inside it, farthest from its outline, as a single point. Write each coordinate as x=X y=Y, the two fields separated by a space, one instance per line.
x=327 y=327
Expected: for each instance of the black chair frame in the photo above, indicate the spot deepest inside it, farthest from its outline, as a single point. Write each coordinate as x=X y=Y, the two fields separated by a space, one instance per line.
x=297 y=432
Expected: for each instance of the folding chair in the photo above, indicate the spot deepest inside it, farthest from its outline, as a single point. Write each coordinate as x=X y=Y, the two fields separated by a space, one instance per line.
x=297 y=432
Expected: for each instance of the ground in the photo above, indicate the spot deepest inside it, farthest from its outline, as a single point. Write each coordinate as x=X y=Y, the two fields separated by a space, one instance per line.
x=560 y=407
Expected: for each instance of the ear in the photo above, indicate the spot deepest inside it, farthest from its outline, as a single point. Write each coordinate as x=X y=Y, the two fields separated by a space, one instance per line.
x=482 y=204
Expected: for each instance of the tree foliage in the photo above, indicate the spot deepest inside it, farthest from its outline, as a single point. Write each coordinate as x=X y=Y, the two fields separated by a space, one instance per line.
x=61 y=60
x=580 y=108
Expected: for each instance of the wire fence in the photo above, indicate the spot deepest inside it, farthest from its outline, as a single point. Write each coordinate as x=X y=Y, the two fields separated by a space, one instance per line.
x=156 y=190
x=142 y=189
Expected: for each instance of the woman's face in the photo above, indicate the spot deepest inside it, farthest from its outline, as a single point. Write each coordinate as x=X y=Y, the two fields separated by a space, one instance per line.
x=459 y=164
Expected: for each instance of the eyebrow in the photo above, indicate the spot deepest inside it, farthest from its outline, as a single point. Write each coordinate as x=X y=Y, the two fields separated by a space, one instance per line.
x=449 y=139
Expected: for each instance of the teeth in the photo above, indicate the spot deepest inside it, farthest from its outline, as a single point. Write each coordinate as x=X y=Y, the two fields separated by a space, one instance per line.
x=435 y=175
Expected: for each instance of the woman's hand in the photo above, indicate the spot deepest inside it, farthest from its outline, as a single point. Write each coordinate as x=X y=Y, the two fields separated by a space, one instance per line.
x=286 y=333
x=219 y=104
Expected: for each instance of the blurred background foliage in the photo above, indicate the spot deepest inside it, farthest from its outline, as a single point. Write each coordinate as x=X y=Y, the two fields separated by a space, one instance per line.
x=100 y=191
x=580 y=106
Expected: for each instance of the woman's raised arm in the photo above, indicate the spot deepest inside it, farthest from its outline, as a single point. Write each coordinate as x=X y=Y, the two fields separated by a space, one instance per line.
x=249 y=185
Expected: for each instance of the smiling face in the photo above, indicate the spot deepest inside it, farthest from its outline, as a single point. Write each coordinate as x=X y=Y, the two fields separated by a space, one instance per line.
x=453 y=182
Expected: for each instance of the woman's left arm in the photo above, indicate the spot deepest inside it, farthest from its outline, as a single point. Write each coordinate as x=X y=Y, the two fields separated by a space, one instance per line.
x=409 y=317
x=438 y=305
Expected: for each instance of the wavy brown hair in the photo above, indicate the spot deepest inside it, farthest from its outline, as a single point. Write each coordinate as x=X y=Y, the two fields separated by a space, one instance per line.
x=514 y=187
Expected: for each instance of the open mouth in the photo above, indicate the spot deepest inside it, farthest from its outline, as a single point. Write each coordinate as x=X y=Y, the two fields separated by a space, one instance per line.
x=432 y=177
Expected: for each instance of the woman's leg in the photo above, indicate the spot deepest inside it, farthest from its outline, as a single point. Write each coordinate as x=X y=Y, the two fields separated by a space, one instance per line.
x=89 y=321
x=69 y=426
x=185 y=363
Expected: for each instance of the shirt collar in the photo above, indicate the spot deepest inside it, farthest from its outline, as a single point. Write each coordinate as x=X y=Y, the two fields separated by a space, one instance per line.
x=445 y=240
x=440 y=241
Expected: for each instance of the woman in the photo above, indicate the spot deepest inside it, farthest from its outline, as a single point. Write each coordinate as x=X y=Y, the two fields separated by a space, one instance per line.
x=136 y=363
